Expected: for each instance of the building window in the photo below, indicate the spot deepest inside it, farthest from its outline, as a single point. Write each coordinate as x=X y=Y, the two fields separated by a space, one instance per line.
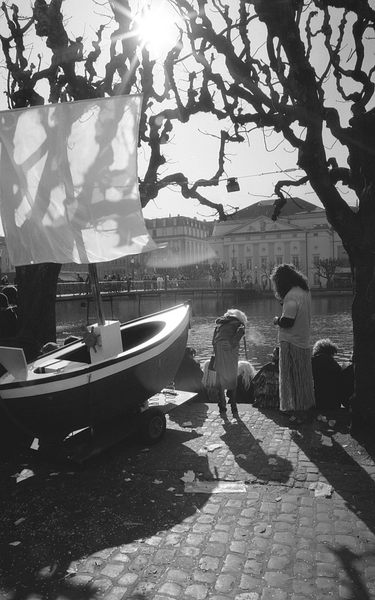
x=278 y=259
x=263 y=262
x=295 y=260
x=263 y=226
x=315 y=258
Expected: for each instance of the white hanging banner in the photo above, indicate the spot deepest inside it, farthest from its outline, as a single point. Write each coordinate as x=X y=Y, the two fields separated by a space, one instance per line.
x=68 y=182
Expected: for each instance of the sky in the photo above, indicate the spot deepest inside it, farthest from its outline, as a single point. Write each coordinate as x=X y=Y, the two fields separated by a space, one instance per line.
x=193 y=149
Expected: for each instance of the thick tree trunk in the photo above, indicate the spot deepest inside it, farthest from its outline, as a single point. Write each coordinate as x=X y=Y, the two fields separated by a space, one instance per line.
x=37 y=286
x=363 y=315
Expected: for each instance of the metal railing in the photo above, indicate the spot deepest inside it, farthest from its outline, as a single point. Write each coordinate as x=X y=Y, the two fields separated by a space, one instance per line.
x=142 y=285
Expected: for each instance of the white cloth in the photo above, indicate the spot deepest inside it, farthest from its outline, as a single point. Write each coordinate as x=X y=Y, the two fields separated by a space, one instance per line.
x=68 y=182
x=297 y=306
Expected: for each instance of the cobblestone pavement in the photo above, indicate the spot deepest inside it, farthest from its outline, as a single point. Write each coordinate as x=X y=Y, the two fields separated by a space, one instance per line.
x=125 y=526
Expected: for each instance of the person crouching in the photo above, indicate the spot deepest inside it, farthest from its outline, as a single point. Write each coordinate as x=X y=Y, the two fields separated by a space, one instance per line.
x=229 y=330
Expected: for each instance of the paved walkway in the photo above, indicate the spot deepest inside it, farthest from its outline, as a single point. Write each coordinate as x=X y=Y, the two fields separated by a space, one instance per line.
x=301 y=524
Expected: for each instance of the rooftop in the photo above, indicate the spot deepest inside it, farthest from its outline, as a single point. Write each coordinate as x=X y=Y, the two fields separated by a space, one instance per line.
x=264 y=208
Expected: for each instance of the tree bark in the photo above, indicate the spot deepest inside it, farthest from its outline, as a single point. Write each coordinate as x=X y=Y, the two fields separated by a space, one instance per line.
x=363 y=315
x=37 y=287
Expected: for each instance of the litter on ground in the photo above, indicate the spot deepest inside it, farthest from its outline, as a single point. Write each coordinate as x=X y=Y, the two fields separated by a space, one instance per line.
x=188 y=476
x=215 y=487
x=326 y=441
x=25 y=474
x=213 y=447
x=321 y=489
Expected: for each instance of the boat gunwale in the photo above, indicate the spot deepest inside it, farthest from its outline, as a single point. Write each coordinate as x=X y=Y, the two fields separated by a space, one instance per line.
x=128 y=354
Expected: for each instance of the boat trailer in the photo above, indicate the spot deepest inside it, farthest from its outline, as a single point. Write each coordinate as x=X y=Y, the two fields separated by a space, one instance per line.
x=149 y=422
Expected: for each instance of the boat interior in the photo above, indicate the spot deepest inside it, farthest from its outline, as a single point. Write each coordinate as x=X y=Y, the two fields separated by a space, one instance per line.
x=76 y=355
x=131 y=336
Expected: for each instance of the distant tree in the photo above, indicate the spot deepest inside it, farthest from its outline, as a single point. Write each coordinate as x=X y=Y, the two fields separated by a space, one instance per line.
x=219 y=269
x=326 y=268
x=266 y=271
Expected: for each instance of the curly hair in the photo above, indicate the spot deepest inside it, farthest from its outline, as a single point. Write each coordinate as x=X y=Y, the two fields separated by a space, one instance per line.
x=286 y=276
x=324 y=346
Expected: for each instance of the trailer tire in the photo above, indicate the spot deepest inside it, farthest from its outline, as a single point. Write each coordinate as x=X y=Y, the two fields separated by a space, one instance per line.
x=152 y=425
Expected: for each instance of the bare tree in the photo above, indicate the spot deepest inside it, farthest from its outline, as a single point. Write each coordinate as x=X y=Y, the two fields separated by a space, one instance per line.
x=300 y=71
x=326 y=268
x=218 y=270
x=266 y=270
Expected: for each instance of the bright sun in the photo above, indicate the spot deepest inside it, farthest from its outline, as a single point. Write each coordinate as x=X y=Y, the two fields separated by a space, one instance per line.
x=157 y=28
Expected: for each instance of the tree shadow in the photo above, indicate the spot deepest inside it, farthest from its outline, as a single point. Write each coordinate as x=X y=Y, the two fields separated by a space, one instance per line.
x=249 y=455
x=70 y=519
x=337 y=462
x=348 y=560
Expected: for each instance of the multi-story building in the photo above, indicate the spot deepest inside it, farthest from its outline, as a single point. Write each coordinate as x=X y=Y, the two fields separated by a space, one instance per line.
x=250 y=243
x=182 y=241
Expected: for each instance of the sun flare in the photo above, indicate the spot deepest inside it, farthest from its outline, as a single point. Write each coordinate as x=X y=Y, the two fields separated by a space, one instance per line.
x=157 y=28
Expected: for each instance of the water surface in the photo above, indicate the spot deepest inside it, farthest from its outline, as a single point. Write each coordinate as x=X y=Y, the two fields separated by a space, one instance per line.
x=331 y=317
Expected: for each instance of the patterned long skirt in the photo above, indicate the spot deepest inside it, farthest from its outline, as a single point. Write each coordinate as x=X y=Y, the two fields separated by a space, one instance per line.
x=295 y=378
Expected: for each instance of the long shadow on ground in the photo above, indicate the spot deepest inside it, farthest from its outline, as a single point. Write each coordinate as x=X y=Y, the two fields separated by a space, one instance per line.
x=61 y=516
x=250 y=456
x=343 y=464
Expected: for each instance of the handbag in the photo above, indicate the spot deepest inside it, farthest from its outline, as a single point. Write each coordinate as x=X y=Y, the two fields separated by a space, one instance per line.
x=211 y=374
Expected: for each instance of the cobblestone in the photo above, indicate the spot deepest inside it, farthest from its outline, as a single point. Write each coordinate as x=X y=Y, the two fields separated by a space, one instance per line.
x=116 y=532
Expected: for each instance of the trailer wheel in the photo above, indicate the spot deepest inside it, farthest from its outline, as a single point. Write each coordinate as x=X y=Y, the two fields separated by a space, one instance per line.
x=152 y=425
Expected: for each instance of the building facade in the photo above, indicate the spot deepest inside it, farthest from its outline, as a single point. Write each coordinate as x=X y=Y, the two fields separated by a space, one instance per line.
x=251 y=243
x=182 y=241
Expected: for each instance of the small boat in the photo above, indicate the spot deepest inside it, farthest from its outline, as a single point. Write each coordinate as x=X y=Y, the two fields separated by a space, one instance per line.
x=86 y=212
x=64 y=391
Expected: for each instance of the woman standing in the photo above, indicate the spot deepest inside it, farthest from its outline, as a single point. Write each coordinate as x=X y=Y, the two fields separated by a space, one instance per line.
x=229 y=330
x=295 y=370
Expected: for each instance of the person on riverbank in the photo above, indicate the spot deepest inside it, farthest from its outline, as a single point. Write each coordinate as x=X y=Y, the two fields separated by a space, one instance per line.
x=189 y=375
x=245 y=377
x=229 y=330
x=8 y=318
x=10 y=292
x=296 y=386
x=266 y=384
x=328 y=376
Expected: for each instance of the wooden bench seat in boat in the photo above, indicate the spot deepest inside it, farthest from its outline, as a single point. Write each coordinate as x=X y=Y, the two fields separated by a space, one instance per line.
x=60 y=366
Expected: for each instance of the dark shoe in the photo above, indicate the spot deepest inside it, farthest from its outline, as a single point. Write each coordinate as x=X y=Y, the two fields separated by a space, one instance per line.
x=222 y=410
x=234 y=411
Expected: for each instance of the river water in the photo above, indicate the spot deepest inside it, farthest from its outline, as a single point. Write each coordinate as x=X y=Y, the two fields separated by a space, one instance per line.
x=331 y=317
